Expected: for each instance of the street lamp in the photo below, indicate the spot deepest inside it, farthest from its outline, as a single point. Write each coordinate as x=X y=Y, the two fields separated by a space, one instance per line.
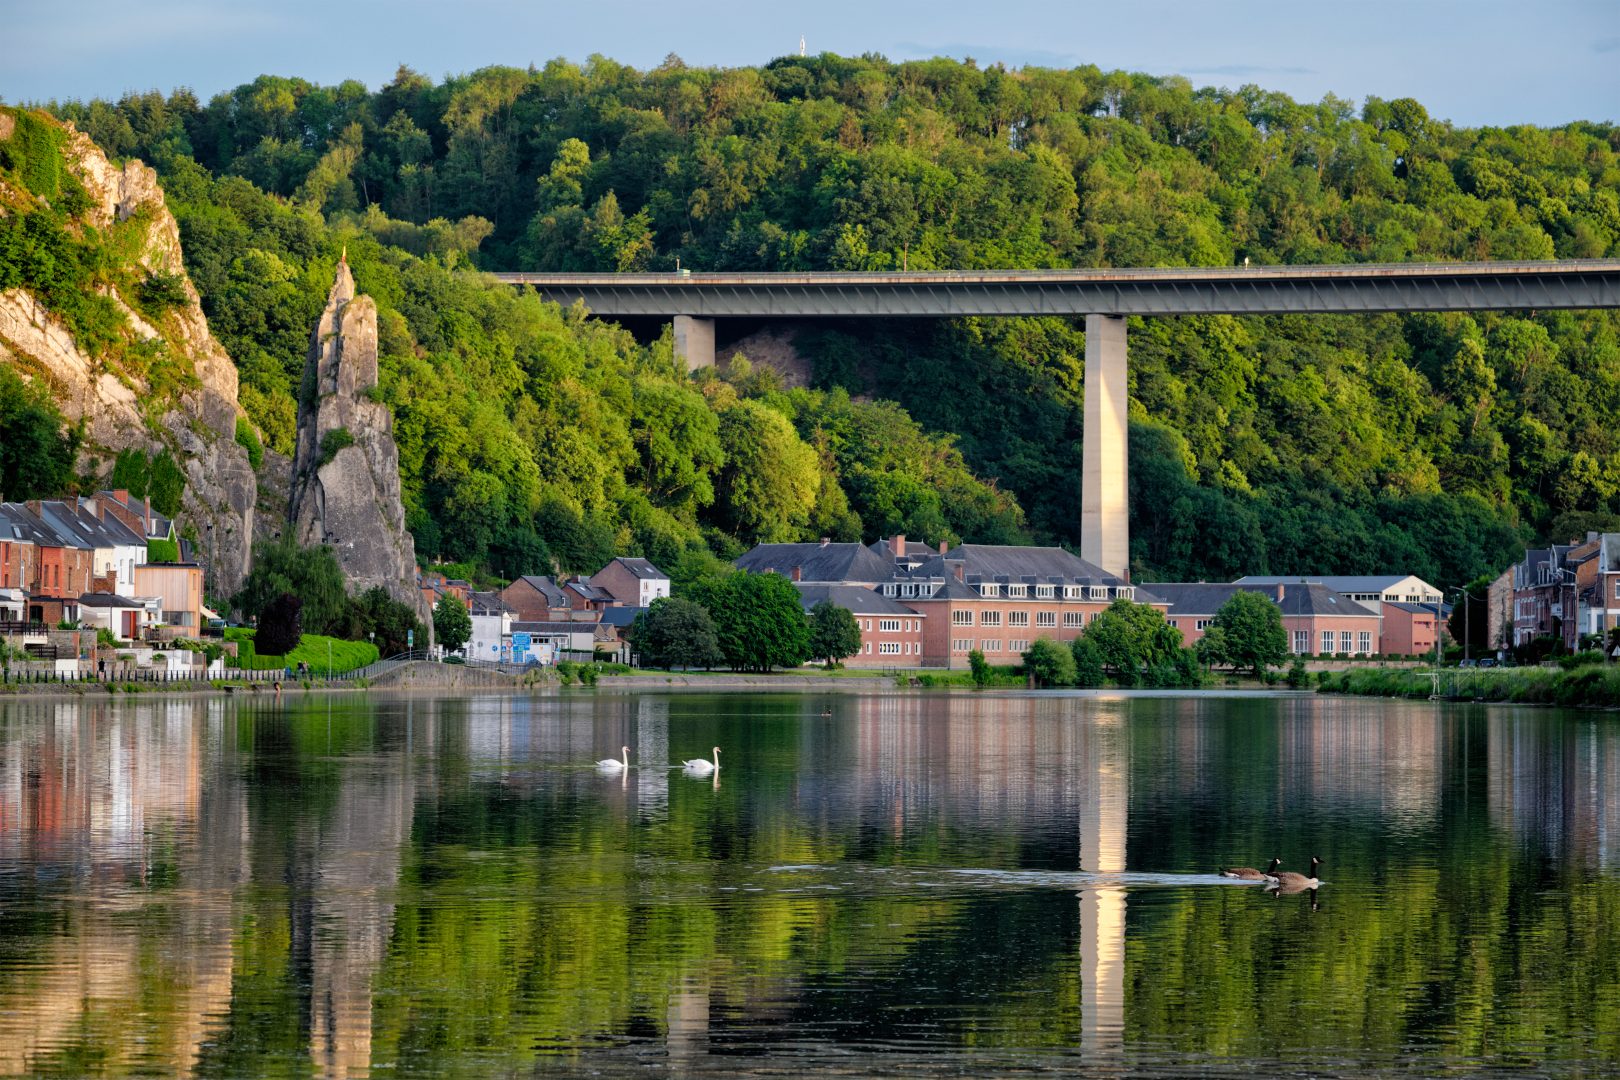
x=1467 y=627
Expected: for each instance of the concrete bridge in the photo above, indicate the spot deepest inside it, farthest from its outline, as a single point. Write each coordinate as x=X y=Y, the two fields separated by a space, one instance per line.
x=1104 y=297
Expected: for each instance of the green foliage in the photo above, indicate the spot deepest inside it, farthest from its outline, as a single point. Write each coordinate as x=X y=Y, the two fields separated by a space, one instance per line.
x=758 y=618
x=676 y=632
x=1088 y=662
x=33 y=155
x=159 y=292
x=452 y=625
x=979 y=668
x=280 y=625
x=159 y=550
x=167 y=485
x=376 y=616
x=37 y=450
x=1050 y=663
x=316 y=650
x=311 y=574
x=1251 y=633
x=834 y=633
x=1434 y=443
x=248 y=439
x=1592 y=685
x=1130 y=637
x=132 y=472
x=333 y=441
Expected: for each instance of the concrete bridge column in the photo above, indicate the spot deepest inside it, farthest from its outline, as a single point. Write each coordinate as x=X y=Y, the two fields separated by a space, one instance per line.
x=694 y=341
x=1104 y=480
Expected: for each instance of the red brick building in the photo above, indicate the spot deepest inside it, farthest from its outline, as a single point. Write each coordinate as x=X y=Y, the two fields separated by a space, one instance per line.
x=1316 y=619
x=891 y=633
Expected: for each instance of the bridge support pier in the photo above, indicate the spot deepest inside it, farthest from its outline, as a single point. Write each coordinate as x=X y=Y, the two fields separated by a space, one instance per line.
x=694 y=341
x=1104 y=476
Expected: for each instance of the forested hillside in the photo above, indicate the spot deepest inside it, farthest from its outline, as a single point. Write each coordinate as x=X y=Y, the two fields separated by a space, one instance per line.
x=1427 y=443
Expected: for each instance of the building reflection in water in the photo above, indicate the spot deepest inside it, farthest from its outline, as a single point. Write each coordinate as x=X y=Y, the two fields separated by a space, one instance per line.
x=1555 y=787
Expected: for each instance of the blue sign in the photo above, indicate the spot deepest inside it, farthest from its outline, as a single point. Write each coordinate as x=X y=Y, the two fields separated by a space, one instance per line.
x=410 y=639
x=520 y=641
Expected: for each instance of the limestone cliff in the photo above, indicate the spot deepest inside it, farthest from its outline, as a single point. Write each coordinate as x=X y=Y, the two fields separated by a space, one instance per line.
x=184 y=397
x=345 y=473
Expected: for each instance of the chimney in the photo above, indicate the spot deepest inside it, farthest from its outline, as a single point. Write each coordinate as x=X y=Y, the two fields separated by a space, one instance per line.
x=825 y=540
x=1282 y=591
x=959 y=568
x=898 y=545
x=798 y=573
x=146 y=514
x=121 y=494
x=944 y=546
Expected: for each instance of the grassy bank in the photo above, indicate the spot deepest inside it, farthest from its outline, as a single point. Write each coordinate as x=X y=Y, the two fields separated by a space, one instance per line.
x=1590 y=686
x=312 y=649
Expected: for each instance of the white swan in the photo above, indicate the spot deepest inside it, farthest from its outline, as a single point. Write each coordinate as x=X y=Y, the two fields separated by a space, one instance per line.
x=609 y=765
x=702 y=766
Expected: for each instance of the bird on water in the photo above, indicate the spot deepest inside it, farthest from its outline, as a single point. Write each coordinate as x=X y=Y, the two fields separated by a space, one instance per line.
x=703 y=766
x=1288 y=881
x=611 y=765
x=1249 y=873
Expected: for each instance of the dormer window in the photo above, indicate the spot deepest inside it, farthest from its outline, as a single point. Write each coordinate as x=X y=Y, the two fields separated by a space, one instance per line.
x=1125 y=592
x=1073 y=592
x=989 y=589
x=888 y=590
x=1018 y=590
x=1043 y=592
x=1097 y=592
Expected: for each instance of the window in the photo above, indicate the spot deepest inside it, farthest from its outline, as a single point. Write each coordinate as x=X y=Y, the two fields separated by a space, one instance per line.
x=888 y=590
x=1094 y=615
x=868 y=648
x=1364 y=641
x=1043 y=592
x=1617 y=588
x=989 y=590
x=889 y=648
x=1073 y=619
x=962 y=645
x=990 y=645
x=868 y=624
x=888 y=626
x=1017 y=618
x=1097 y=592
x=1018 y=590
x=961 y=618
x=1203 y=624
x=1126 y=592
x=1327 y=641
x=1017 y=644
x=1073 y=592
x=1302 y=641
x=1046 y=618
x=989 y=618
x=1344 y=641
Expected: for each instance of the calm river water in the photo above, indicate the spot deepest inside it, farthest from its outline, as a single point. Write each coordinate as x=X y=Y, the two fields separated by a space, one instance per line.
x=905 y=883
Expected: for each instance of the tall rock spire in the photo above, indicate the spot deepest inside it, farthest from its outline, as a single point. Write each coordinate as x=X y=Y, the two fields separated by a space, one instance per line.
x=345 y=482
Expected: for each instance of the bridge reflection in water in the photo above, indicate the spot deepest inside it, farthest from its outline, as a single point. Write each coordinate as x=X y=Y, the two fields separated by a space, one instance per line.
x=152 y=833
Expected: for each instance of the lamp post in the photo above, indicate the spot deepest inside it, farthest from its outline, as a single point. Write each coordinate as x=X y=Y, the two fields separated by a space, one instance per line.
x=1467 y=626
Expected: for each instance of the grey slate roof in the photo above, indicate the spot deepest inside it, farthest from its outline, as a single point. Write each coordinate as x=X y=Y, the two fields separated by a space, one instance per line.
x=486 y=603
x=581 y=627
x=1205 y=598
x=20 y=524
x=642 y=569
x=620 y=616
x=819 y=562
x=160 y=525
x=591 y=592
x=856 y=599
x=86 y=530
x=108 y=600
x=547 y=588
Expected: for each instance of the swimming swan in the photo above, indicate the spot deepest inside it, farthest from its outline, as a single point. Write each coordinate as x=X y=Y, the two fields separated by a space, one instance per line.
x=701 y=766
x=610 y=765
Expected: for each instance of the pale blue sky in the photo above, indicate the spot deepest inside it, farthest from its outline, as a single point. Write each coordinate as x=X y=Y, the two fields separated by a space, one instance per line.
x=1471 y=61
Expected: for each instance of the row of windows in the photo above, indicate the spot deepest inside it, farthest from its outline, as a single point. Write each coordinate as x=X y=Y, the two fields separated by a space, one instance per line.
x=1049 y=592
x=1344 y=641
x=895 y=648
x=1071 y=619
x=894 y=626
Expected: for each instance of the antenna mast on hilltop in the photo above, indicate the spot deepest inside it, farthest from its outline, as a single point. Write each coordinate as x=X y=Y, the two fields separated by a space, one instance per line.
x=801 y=44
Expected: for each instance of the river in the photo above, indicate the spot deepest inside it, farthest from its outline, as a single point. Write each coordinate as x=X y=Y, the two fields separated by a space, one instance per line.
x=907 y=883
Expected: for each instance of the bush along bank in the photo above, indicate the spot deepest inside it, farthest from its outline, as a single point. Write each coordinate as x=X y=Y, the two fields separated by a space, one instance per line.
x=1587 y=686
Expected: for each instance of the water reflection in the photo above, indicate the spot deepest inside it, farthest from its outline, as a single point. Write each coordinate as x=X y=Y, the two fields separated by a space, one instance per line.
x=335 y=884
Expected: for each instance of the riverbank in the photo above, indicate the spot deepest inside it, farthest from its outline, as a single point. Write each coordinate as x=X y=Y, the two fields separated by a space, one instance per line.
x=1590 y=686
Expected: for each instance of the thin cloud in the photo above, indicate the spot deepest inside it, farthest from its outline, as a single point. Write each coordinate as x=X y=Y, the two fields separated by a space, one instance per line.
x=1607 y=45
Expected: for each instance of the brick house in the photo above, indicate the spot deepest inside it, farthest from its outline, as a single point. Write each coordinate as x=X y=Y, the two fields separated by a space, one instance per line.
x=1371 y=591
x=535 y=598
x=62 y=567
x=1411 y=629
x=891 y=633
x=1316 y=618
x=632 y=582
x=1542 y=586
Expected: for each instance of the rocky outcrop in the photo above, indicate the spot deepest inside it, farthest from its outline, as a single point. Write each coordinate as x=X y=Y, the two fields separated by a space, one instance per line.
x=345 y=474
x=199 y=424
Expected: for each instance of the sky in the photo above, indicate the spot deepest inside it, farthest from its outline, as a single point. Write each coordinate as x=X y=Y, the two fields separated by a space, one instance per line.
x=1473 y=62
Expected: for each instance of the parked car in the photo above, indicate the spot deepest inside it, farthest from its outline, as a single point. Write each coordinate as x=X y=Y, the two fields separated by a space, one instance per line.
x=1470 y=663
x=1489 y=661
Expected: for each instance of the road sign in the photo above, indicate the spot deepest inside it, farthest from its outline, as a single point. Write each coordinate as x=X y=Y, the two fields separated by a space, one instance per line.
x=410 y=639
x=520 y=641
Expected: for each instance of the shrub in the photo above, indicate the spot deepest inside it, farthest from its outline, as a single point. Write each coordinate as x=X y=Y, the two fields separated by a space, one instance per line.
x=162 y=551
x=979 y=667
x=248 y=439
x=1298 y=677
x=333 y=441
x=1050 y=663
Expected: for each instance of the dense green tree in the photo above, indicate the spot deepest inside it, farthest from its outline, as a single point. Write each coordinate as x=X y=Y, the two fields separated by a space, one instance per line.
x=767 y=486
x=834 y=633
x=377 y=617
x=280 y=626
x=1129 y=637
x=311 y=574
x=36 y=454
x=676 y=632
x=1051 y=664
x=759 y=620
x=452 y=625
x=1251 y=632
x=979 y=668
x=1088 y=662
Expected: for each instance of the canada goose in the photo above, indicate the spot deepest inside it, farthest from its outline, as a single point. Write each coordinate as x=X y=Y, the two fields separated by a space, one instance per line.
x=701 y=766
x=611 y=765
x=1290 y=881
x=1249 y=873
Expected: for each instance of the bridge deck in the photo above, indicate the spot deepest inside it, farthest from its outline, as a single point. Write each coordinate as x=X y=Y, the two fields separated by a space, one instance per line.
x=1241 y=290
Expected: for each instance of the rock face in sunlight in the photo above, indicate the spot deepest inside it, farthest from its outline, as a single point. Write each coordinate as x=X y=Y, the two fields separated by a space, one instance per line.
x=345 y=474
